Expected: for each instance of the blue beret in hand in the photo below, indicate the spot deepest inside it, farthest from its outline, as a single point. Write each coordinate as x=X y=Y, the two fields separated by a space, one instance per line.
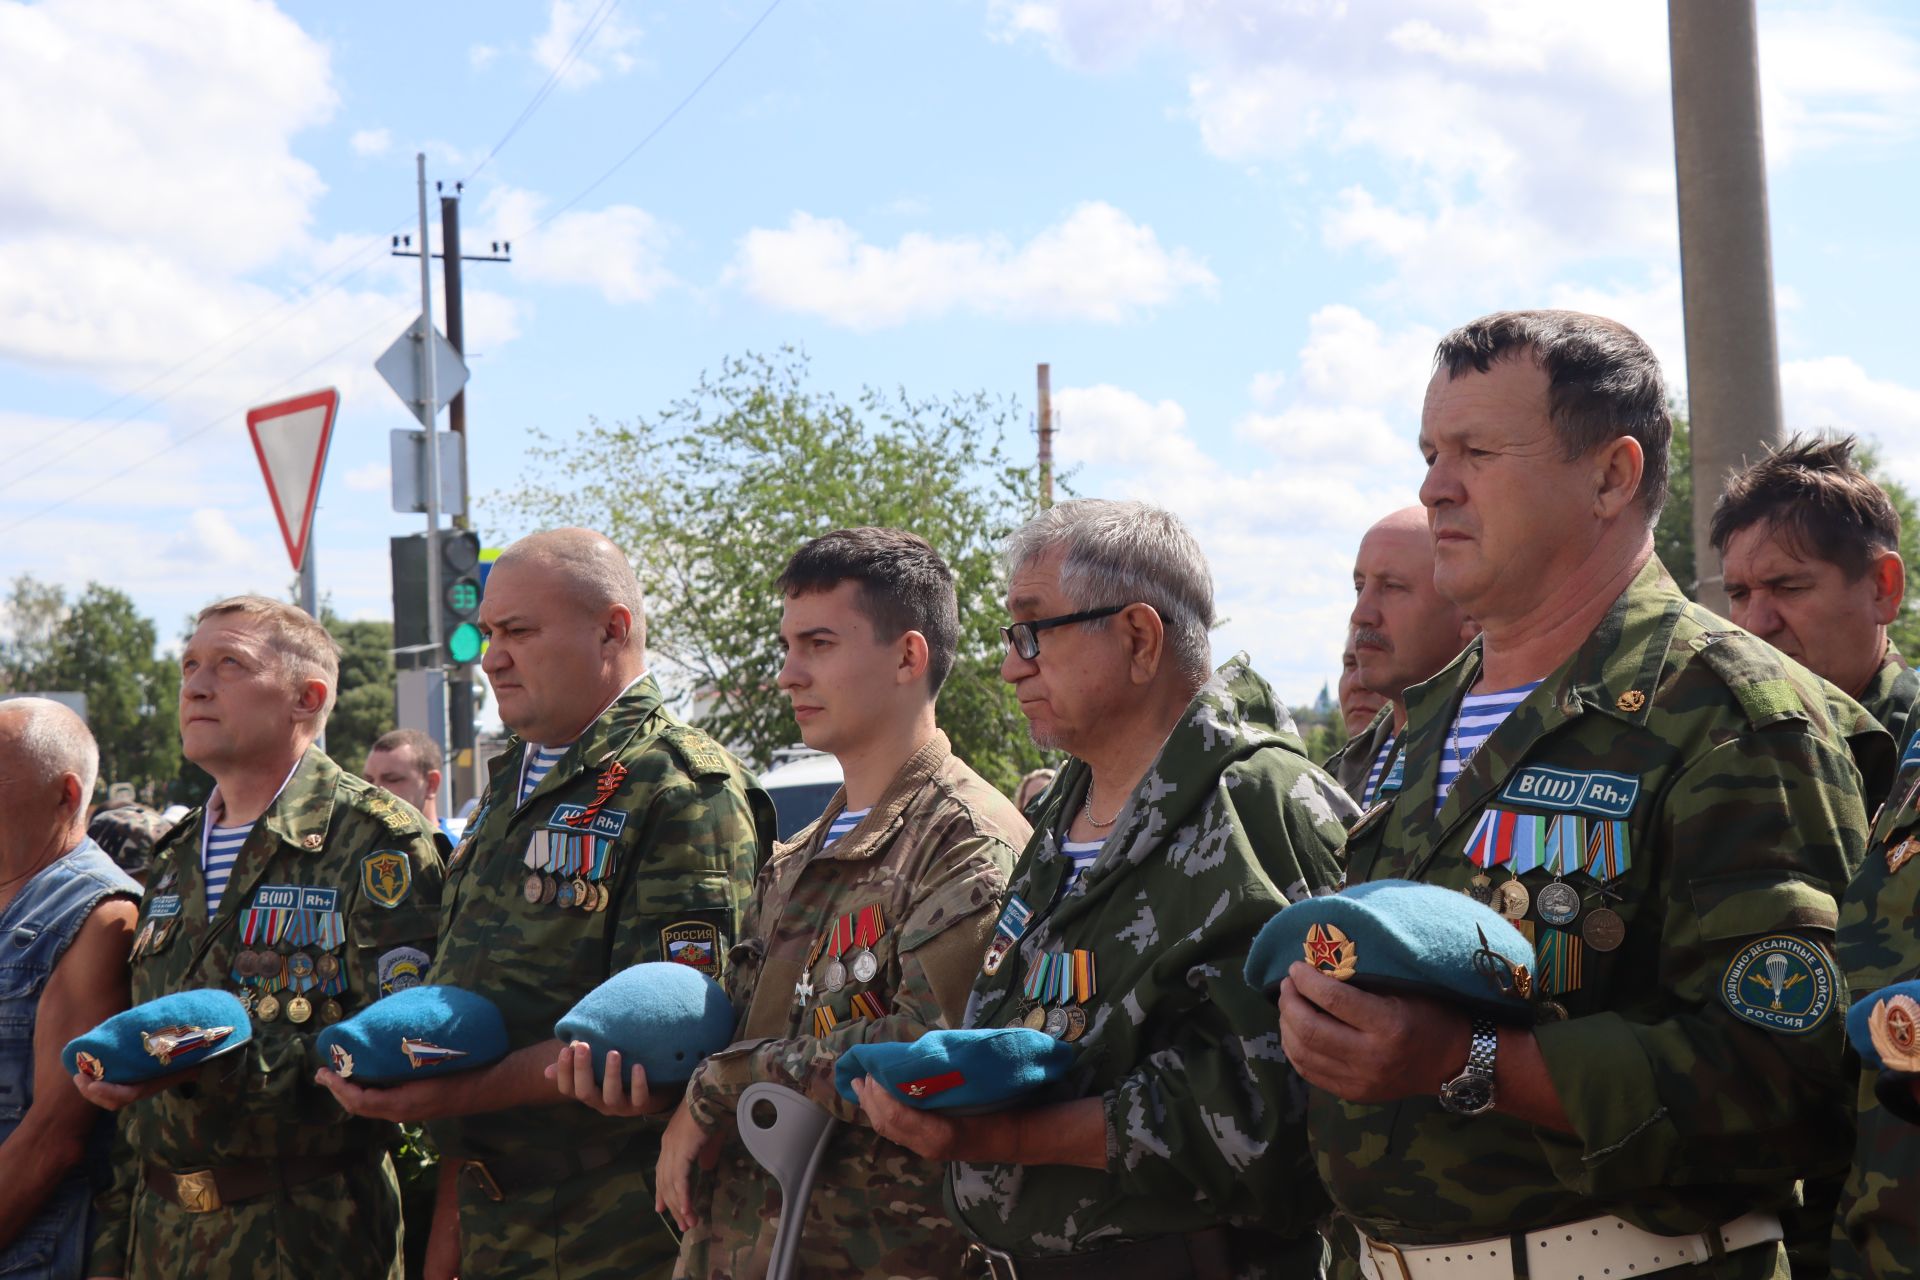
x=161 y=1037
x=1400 y=936
x=981 y=1069
x=1885 y=1030
x=661 y=1015
x=412 y=1034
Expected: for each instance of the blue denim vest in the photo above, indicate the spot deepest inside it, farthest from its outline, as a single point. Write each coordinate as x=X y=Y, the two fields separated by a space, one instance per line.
x=35 y=931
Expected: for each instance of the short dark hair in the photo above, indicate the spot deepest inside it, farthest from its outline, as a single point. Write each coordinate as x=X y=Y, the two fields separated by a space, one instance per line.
x=1603 y=381
x=1813 y=493
x=904 y=586
x=426 y=752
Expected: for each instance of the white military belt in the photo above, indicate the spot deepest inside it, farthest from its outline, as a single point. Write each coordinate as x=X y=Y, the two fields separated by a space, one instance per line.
x=1593 y=1249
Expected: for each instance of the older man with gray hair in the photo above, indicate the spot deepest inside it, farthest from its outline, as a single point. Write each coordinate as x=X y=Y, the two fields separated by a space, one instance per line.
x=1185 y=817
x=69 y=914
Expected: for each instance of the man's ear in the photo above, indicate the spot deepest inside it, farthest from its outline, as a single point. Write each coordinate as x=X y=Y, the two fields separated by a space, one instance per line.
x=617 y=626
x=912 y=657
x=434 y=778
x=1889 y=575
x=310 y=700
x=1146 y=637
x=1619 y=464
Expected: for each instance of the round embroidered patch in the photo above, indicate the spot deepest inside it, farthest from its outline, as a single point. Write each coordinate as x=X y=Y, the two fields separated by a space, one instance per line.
x=1782 y=983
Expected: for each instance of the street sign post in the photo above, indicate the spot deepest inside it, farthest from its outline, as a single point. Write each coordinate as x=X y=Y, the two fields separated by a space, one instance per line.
x=290 y=438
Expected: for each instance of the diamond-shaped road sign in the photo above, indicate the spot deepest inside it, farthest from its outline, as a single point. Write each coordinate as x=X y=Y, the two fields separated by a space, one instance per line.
x=290 y=438
x=400 y=366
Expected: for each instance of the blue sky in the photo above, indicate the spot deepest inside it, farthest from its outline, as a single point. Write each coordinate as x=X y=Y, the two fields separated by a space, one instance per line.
x=1234 y=229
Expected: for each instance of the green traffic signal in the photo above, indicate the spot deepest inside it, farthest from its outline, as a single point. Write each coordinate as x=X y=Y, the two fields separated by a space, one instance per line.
x=464 y=643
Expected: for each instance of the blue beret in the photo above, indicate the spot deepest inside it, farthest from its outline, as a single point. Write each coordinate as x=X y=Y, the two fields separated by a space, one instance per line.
x=411 y=1034
x=1401 y=936
x=1885 y=1029
x=661 y=1015
x=957 y=1070
x=161 y=1037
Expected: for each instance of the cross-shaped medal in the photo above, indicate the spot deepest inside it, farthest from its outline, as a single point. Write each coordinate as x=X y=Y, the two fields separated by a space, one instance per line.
x=802 y=992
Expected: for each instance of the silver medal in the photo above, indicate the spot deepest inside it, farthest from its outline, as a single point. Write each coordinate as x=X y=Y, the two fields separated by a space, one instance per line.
x=865 y=965
x=1557 y=903
x=836 y=975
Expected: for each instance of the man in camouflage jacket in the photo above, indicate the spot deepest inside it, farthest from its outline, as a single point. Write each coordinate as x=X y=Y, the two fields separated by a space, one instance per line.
x=1669 y=809
x=610 y=834
x=249 y=1169
x=914 y=877
x=1176 y=1146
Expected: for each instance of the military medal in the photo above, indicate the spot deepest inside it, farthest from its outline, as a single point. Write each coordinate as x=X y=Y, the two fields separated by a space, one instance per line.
x=330 y=1011
x=1480 y=889
x=300 y=967
x=141 y=943
x=1512 y=899
x=327 y=966
x=299 y=1009
x=866 y=965
x=581 y=893
x=1550 y=1011
x=1603 y=929
x=536 y=884
x=1006 y=933
x=1055 y=1023
x=1035 y=1018
x=1076 y=1024
x=803 y=990
x=866 y=1004
x=1558 y=902
x=269 y=1007
x=842 y=937
x=1898 y=855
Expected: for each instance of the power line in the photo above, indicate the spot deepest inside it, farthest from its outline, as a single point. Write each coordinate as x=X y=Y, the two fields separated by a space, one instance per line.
x=581 y=40
x=664 y=120
x=385 y=322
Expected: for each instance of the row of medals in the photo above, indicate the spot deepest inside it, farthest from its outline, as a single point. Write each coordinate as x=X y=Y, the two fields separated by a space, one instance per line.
x=267 y=1006
x=1558 y=904
x=568 y=891
x=864 y=966
x=1061 y=1021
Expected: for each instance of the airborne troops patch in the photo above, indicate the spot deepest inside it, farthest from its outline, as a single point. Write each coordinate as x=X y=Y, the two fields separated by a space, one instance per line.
x=386 y=876
x=1781 y=983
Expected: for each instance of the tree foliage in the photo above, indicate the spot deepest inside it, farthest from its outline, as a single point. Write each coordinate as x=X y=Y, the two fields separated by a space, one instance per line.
x=364 y=707
x=713 y=495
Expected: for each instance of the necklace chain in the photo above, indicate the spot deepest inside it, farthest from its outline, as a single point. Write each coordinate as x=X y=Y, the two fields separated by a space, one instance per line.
x=1086 y=809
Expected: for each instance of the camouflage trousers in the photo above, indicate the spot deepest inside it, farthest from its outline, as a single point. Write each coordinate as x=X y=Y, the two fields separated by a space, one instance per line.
x=895 y=1228
x=347 y=1224
x=598 y=1225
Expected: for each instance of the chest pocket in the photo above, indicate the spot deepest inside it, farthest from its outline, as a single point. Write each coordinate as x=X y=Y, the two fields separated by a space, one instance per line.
x=22 y=978
x=858 y=969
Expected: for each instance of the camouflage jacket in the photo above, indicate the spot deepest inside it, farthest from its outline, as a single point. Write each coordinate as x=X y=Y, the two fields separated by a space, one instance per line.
x=1352 y=764
x=1710 y=769
x=932 y=858
x=1891 y=694
x=667 y=831
x=340 y=842
x=1205 y=1120
x=1877 y=1233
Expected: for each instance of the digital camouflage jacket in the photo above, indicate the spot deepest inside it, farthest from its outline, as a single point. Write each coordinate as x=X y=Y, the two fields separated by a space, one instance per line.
x=1702 y=790
x=1205 y=1120
x=1877 y=1234
x=931 y=859
x=328 y=834
x=641 y=844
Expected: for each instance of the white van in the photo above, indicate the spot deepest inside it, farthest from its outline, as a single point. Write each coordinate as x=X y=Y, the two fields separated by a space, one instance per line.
x=801 y=781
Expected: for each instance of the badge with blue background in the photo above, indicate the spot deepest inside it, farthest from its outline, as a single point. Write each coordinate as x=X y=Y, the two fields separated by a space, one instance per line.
x=1604 y=795
x=576 y=819
x=1782 y=983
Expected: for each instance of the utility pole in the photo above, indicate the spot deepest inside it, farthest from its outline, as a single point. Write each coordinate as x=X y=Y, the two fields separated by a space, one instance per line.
x=429 y=415
x=1046 y=436
x=464 y=770
x=1726 y=262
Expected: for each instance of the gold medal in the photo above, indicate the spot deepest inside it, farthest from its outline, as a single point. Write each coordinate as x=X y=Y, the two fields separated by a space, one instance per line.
x=327 y=966
x=1512 y=899
x=1480 y=888
x=549 y=888
x=330 y=1011
x=268 y=1009
x=299 y=1009
x=1035 y=1018
x=1076 y=1023
x=583 y=894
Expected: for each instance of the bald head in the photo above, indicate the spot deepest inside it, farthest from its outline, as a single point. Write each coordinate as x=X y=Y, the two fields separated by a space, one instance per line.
x=591 y=570
x=48 y=765
x=1404 y=631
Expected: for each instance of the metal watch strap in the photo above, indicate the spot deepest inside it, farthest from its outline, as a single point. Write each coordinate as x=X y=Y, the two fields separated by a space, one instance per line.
x=1458 y=1094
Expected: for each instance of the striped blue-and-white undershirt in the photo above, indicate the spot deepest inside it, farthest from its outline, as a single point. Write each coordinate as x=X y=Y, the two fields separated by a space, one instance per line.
x=218 y=852
x=1376 y=773
x=1081 y=853
x=847 y=820
x=536 y=764
x=1480 y=714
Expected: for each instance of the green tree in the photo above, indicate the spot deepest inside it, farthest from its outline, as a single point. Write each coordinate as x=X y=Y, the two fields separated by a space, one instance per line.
x=1673 y=535
x=363 y=707
x=713 y=495
x=101 y=646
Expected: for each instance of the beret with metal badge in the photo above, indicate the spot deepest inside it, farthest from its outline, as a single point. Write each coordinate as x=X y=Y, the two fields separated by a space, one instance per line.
x=412 y=1034
x=661 y=1015
x=980 y=1069
x=1885 y=1030
x=161 y=1037
x=1400 y=936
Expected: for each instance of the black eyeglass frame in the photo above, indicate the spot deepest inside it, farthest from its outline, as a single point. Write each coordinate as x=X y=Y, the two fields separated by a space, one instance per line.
x=1029 y=632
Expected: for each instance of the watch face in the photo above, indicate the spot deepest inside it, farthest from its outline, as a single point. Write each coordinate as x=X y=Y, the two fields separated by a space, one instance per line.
x=1467 y=1095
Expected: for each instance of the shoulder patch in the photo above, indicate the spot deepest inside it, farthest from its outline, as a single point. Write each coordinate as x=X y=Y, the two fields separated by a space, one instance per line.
x=1781 y=983
x=1756 y=675
x=694 y=943
x=703 y=756
x=386 y=876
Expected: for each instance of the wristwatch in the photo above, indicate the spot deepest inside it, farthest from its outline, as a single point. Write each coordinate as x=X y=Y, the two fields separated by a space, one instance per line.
x=1471 y=1092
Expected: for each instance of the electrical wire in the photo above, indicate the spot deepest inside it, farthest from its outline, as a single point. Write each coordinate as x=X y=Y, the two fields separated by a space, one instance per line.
x=584 y=37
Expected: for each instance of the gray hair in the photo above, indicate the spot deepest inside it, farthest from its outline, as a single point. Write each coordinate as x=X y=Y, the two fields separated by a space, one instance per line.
x=51 y=742
x=1115 y=552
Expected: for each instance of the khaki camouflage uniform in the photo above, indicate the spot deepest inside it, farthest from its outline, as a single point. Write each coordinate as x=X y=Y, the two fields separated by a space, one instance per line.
x=933 y=854
x=1890 y=697
x=1744 y=818
x=1877 y=1233
x=1205 y=1120
x=686 y=823
x=1352 y=764
x=260 y=1103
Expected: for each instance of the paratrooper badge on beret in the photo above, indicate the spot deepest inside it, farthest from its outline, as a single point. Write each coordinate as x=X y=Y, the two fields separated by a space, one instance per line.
x=660 y=1015
x=412 y=1034
x=161 y=1037
x=1885 y=1028
x=982 y=1069
x=1393 y=936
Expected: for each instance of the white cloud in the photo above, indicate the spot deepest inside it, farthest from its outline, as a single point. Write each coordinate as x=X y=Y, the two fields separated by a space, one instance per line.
x=619 y=250
x=607 y=47
x=1096 y=264
x=370 y=142
x=481 y=56
x=370 y=477
x=1835 y=394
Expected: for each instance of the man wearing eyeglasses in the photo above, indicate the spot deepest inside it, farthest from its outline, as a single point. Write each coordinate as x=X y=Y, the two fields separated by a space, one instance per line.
x=1185 y=817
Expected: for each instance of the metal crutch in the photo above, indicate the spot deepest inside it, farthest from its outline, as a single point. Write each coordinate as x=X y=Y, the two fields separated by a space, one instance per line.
x=787 y=1132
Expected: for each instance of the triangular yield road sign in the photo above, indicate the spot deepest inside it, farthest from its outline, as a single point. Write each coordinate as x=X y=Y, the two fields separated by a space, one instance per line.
x=290 y=438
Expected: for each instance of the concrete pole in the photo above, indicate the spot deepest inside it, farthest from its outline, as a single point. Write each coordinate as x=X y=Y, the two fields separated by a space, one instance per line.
x=1044 y=375
x=1726 y=262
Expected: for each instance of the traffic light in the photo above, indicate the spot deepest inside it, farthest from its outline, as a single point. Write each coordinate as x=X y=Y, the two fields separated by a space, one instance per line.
x=460 y=596
x=459 y=603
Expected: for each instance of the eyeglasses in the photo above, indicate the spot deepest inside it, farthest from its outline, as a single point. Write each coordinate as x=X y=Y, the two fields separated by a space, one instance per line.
x=1024 y=637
